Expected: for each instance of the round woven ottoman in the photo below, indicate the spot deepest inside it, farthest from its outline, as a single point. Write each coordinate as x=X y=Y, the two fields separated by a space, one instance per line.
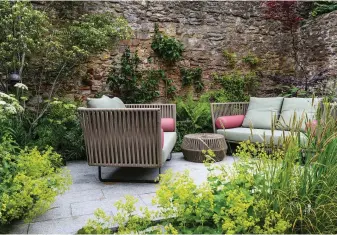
x=193 y=144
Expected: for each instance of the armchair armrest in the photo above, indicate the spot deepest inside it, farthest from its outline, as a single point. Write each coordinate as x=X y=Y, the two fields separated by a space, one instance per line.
x=227 y=109
x=129 y=137
x=166 y=110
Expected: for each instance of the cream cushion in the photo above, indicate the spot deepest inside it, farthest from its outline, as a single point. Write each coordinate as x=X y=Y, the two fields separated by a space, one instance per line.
x=240 y=134
x=262 y=112
x=170 y=140
x=297 y=111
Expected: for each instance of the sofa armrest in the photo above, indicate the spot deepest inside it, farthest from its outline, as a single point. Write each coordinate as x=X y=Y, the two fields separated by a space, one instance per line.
x=227 y=109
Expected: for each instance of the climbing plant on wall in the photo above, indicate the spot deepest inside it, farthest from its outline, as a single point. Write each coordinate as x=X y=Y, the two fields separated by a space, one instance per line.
x=193 y=76
x=135 y=86
x=167 y=48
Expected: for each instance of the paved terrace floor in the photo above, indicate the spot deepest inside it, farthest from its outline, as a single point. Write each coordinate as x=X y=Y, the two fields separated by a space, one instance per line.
x=72 y=210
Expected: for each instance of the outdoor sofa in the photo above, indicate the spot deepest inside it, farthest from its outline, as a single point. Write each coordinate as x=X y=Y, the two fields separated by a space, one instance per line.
x=128 y=135
x=264 y=120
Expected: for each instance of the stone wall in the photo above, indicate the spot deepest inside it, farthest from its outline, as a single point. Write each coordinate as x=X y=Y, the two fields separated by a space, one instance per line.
x=206 y=29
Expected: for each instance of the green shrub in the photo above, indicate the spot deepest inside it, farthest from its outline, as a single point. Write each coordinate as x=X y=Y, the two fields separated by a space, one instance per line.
x=193 y=116
x=30 y=181
x=304 y=191
x=60 y=128
x=225 y=203
x=238 y=86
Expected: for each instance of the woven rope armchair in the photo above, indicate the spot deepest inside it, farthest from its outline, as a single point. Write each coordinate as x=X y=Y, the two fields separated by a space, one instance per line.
x=129 y=137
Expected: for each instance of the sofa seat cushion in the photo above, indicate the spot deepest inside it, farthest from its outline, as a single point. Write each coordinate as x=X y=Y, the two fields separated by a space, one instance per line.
x=105 y=102
x=242 y=134
x=229 y=121
x=297 y=111
x=262 y=112
x=170 y=140
x=167 y=124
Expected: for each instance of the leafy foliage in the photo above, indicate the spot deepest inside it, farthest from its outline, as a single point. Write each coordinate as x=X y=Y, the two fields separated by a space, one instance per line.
x=251 y=60
x=167 y=48
x=323 y=7
x=134 y=86
x=58 y=127
x=193 y=76
x=230 y=57
x=125 y=82
x=45 y=51
x=225 y=203
x=194 y=116
x=293 y=91
x=22 y=30
x=30 y=181
x=238 y=86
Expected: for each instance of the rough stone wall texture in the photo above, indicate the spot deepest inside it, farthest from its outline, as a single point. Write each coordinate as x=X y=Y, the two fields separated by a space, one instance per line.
x=206 y=29
x=319 y=49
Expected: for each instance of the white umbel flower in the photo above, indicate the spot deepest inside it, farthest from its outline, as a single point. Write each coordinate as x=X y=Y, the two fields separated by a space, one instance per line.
x=4 y=95
x=21 y=86
x=2 y=102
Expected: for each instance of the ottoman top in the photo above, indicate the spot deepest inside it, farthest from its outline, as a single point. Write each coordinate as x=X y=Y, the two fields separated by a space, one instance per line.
x=204 y=136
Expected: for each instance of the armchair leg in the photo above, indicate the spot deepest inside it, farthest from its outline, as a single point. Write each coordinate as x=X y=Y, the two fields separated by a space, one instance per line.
x=125 y=180
x=169 y=159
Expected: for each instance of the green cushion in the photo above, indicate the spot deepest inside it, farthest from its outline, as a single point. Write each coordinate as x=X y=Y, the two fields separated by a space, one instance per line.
x=105 y=102
x=262 y=111
x=240 y=134
x=295 y=110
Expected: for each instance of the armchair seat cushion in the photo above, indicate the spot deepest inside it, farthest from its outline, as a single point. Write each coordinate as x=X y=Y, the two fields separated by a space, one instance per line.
x=257 y=135
x=170 y=140
x=229 y=121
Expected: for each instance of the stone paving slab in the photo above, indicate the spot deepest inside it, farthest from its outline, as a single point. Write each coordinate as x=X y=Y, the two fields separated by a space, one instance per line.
x=71 y=211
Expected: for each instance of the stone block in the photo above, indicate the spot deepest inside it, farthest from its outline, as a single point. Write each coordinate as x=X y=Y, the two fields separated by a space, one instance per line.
x=79 y=196
x=59 y=226
x=55 y=212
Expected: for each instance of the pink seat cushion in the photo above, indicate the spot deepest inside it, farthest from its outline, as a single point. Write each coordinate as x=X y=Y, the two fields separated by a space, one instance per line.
x=229 y=121
x=167 y=124
x=162 y=138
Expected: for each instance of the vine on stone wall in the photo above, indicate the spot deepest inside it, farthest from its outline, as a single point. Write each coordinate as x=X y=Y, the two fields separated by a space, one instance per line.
x=134 y=86
x=193 y=76
x=167 y=48
x=252 y=60
x=230 y=58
